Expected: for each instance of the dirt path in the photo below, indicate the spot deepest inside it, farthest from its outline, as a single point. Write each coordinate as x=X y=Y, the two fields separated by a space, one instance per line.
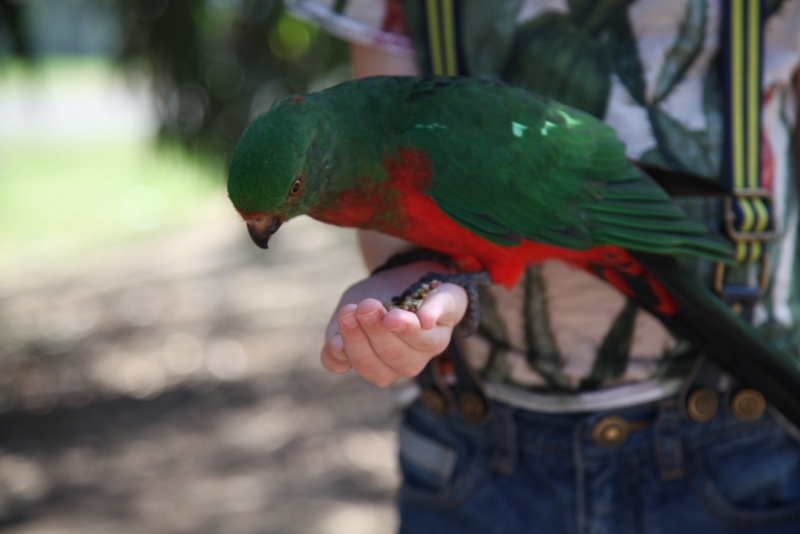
x=174 y=386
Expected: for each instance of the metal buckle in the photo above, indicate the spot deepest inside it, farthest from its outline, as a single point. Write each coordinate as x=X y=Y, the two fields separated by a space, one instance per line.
x=742 y=299
x=729 y=216
x=763 y=277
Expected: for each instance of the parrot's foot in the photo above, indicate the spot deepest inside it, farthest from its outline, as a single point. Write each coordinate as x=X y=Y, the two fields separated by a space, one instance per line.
x=412 y=298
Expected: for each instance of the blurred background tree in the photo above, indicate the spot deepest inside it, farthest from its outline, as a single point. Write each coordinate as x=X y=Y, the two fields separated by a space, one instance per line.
x=217 y=64
x=12 y=29
x=86 y=86
x=214 y=64
x=158 y=372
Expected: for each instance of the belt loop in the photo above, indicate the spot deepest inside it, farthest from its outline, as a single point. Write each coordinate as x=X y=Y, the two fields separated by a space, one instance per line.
x=504 y=439
x=669 y=448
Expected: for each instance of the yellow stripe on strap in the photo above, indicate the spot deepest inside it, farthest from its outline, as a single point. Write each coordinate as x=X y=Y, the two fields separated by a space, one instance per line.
x=753 y=100
x=449 y=23
x=741 y=251
x=762 y=215
x=748 y=215
x=434 y=38
x=755 y=251
x=737 y=85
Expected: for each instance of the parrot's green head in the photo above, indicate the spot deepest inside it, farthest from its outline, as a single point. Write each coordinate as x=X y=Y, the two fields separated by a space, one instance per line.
x=268 y=176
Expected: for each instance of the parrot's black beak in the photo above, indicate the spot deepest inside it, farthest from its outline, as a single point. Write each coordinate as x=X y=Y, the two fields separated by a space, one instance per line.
x=261 y=229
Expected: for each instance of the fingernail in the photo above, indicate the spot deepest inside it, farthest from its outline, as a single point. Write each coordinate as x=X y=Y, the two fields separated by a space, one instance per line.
x=349 y=320
x=371 y=317
x=337 y=347
x=398 y=329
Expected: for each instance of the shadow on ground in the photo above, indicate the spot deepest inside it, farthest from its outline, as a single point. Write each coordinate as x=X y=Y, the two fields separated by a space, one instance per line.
x=174 y=386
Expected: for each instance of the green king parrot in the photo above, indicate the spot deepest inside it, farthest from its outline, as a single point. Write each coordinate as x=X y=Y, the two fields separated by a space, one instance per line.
x=497 y=178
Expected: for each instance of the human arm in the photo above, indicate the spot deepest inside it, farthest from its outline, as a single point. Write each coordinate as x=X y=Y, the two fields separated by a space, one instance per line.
x=384 y=346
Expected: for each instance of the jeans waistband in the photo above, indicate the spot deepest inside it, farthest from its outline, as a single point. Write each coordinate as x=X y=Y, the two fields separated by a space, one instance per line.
x=619 y=397
x=652 y=428
x=622 y=396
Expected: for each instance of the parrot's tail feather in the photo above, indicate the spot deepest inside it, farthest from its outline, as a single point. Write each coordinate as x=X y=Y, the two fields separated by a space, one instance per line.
x=635 y=191
x=637 y=214
x=672 y=244
x=710 y=325
x=640 y=224
x=661 y=210
x=681 y=183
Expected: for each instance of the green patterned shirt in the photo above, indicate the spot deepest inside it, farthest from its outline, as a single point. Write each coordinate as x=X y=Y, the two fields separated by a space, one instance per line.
x=649 y=68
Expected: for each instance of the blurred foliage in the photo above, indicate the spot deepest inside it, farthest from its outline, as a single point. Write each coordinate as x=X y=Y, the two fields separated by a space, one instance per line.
x=215 y=64
x=57 y=200
x=79 y=170
x=11 y=20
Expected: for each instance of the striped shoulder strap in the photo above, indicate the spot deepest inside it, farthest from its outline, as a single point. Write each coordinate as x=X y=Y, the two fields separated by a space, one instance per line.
x=442 y=31
x=747 y=216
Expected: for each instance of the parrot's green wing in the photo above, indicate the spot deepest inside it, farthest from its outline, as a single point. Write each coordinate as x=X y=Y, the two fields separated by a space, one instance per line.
x=510 y=165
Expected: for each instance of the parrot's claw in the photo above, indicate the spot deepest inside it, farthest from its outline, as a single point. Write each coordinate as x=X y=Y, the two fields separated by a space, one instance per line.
x=412 y=298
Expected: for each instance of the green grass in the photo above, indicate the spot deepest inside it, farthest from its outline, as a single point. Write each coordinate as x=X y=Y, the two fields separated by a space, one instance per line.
x=60 y=200
x=64 y=195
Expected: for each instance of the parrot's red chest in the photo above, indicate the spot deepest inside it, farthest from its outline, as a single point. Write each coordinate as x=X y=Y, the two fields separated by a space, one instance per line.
x=400 y=207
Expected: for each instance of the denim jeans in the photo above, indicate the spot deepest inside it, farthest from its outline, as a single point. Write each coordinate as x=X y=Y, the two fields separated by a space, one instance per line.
x=527 y=472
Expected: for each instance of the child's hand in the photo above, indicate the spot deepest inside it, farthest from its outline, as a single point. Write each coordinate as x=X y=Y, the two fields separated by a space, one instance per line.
x=383 y=346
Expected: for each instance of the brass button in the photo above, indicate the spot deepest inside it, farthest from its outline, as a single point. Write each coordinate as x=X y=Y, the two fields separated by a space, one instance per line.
x=434 y=400
x=611 y=432
x=702 y=405
x=748 y=405
x=472 y=406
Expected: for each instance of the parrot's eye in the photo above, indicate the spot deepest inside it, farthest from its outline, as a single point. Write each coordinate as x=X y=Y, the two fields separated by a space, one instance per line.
x=297 y=186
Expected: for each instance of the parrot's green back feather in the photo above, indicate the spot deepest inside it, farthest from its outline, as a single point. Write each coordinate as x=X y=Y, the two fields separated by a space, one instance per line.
x=509 y=165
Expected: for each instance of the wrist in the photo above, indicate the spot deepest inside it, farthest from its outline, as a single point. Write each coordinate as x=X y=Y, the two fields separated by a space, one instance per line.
x=416 y=255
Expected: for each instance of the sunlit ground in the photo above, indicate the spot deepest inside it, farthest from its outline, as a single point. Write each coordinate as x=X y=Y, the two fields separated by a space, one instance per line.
x=158 y=372
x=79 y=168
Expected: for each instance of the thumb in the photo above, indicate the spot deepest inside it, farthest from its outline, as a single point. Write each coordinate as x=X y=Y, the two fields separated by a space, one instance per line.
x=446 y=306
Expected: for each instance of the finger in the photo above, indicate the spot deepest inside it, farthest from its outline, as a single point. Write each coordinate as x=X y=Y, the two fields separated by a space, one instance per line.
x=433 y=341
x=391 y=349
x=427 y=342
x=332 y=329
x=400 y=321
x=333 y=356
x=359 y=351
x=445 y=305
